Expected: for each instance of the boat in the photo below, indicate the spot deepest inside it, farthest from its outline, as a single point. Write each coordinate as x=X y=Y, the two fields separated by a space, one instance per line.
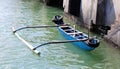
x=86 y=43
x=72 y=35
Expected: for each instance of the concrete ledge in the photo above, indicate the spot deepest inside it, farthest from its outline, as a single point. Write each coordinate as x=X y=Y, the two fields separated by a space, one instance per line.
x=114 y=38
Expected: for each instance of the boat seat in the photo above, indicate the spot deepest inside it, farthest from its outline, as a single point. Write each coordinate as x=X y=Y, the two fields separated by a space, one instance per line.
x=63 y=26
x=68 y=30
x=74 y=33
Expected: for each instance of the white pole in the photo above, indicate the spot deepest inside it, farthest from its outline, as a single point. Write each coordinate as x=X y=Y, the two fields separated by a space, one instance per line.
x=26 y=43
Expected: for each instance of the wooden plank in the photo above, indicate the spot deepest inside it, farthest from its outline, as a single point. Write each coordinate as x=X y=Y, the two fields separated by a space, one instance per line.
x=62 y=26
x=26 y=43
x=74 y=33
x=68 y=30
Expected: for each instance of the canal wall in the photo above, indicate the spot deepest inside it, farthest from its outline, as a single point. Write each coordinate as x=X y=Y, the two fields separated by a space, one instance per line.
x=113 y=19
x=66 y=5
x=88 y=9
x=102 y=12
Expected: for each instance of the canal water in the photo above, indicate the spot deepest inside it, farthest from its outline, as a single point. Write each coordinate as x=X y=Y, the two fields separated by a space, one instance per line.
x=15 y=55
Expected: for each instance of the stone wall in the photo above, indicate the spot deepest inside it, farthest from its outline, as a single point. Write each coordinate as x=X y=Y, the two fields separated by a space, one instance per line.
x=89 y=9
x=66 y=5
x=113 y=19
x=110 y=13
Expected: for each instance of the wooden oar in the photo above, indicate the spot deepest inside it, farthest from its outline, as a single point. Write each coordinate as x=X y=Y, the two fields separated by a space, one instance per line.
x=56 y=42
x=33 y=27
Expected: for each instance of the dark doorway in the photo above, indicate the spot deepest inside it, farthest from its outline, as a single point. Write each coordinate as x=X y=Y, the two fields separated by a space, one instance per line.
x=55 y=3
x=101 y=12
x=74 y=7
x=100 y=26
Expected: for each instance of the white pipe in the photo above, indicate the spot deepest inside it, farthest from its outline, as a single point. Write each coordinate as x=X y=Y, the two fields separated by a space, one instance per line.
x=26 y=43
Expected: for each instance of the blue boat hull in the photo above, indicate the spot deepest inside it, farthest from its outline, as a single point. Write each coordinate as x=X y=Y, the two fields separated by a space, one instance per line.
x=80 y=44
x=86 y=43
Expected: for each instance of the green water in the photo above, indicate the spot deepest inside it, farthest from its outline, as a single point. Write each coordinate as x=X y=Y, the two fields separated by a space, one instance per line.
x=15 y=55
